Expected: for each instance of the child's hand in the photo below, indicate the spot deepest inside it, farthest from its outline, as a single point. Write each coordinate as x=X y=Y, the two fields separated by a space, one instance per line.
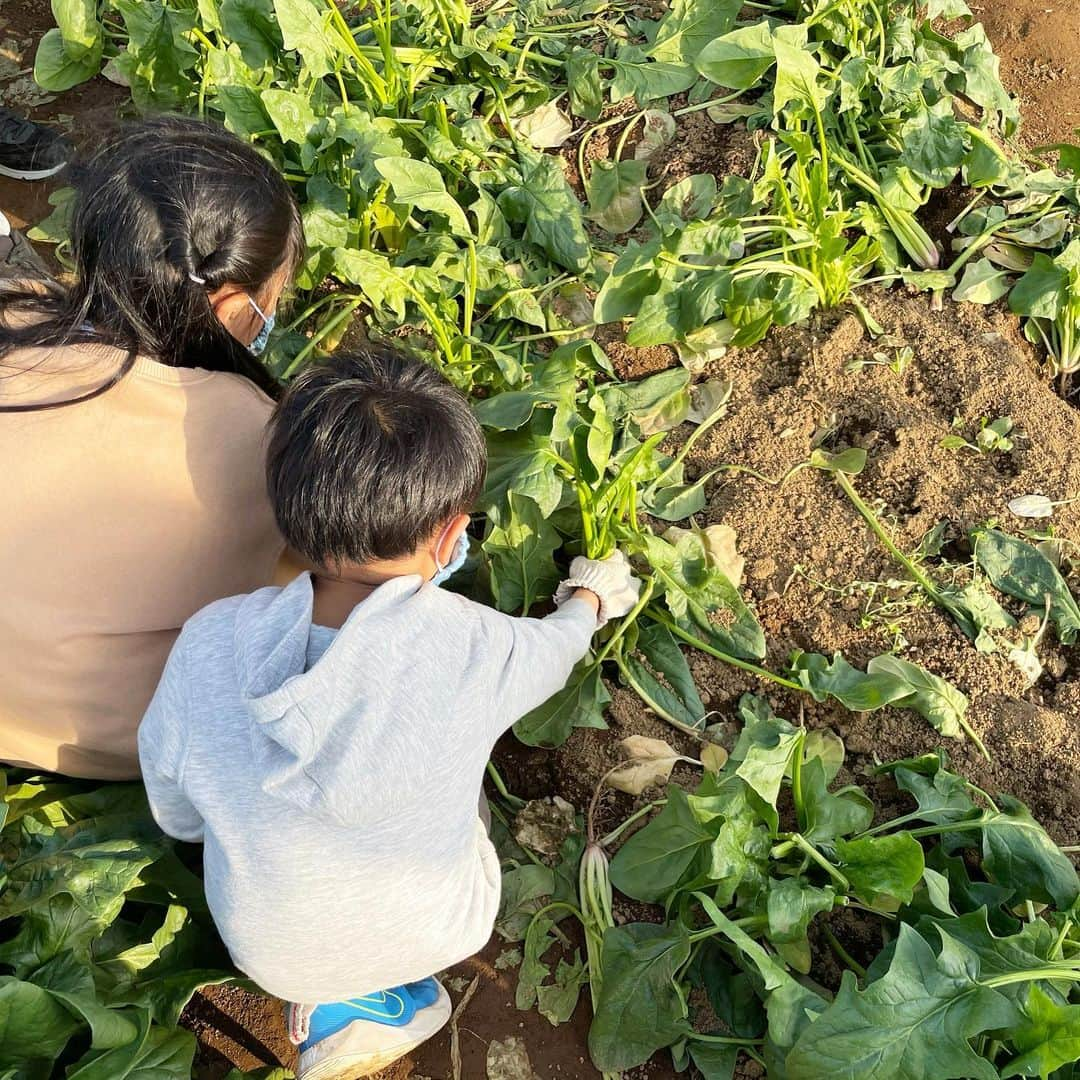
x=610 y=579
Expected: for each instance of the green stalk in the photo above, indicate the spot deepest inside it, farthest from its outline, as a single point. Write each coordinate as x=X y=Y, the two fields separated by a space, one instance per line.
x=841 y=952
x=637 y=815
x=501 y=788
x=704 y=646
x=813 y=854
x=879 y=531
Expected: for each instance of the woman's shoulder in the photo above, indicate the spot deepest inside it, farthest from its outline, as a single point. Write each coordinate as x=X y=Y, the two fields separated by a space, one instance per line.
x=219 y=399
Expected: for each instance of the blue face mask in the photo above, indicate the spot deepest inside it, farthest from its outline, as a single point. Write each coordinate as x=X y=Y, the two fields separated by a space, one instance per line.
x=259 y=344
x=461 y=553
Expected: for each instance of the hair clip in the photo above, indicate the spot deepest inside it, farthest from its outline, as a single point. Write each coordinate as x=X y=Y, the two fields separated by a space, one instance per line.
x=195 y=277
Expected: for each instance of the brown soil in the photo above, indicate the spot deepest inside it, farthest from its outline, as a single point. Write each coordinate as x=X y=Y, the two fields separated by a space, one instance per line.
x=1039 y=45
x=789 y=392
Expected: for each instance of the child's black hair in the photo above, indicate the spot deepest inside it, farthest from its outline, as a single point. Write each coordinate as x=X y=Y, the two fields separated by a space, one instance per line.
x=369 y=454
x=167 y=210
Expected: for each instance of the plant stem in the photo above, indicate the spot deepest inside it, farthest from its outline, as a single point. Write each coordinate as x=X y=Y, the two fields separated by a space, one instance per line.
x=880 y=532
x=723 y=1040
x=637 y=815
x=501 y=788
x=812 y=853
x=844 y=955
x=704 y=646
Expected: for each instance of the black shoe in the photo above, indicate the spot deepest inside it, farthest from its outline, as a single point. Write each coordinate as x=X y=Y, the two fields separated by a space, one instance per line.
x=29 y=151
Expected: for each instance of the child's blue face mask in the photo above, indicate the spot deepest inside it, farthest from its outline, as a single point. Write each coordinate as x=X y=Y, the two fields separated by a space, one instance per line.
x=457 y=561
x=259 y=344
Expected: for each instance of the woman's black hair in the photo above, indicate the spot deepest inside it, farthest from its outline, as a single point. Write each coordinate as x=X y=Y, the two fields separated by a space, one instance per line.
x=168 y=210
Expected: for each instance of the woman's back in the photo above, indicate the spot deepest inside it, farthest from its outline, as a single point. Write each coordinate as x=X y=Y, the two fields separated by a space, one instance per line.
x=122 y=516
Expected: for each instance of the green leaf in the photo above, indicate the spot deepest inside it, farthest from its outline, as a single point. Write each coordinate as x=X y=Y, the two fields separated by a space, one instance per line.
x=1047 y=1038
x=914 y=1023
x=159 y=55
x=420 y=185
x=942 y=797
x=583 y=78
x=544 y=203
x=658 y=403
x=690 y=25
x=553 y=383
x=521 y=551
x=251 y=25
x=640 y=1010
x=291 y=114
x=155 y=1054
x=635 y=76
x=614 y=191
x=78 y=24
x=852 y=461
x=521 y=461
x=739 y=59
x=659 y=667
x=56 y=228
x=824 y=678
x=632 y=279
x=933 y=145
x=701 y=599
x=70 y=981
x=765 y=751
x=982 y=283
x=387 y=287
x=927 y=694
x=34 y=1025
x=827 y=815
x=714 y=1062
x=655 y=859
x=791 y=904
x=1019 y=569
x=524 y=888
x=797 y=71
x=56 y=70
x=557 y=1001
x=580 y=703
x=304 y=30
x=881 y=868
x=1043 y=292
x=1018 y=853
x=162 y=974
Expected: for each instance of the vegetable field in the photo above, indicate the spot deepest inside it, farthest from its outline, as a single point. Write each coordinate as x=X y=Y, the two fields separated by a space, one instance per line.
x=780 y=299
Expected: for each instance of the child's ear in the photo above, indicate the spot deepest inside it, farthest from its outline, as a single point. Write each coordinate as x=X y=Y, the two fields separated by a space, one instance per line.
x=447 y=544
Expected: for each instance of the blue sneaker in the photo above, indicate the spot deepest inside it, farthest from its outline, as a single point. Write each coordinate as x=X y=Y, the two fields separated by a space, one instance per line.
x=364 y=1035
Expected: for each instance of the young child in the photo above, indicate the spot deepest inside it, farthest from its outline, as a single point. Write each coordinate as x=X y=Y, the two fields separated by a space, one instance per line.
x=327 y=741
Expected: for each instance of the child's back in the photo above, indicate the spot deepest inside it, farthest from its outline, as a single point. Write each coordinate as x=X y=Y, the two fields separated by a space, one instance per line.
x=338 y=804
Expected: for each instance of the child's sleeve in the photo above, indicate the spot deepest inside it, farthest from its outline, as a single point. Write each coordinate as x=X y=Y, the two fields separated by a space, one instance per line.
x=162 y=751
x=529 y=660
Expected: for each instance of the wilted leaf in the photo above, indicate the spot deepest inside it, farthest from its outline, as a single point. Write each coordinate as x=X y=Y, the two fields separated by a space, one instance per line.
x=1031 y=506
x=545 y=128
x=649 y=764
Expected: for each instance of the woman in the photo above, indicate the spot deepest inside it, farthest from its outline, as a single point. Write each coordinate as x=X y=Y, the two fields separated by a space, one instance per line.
x=131 y=421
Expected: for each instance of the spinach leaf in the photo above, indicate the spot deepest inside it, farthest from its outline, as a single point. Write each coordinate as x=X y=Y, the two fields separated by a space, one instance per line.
x=543 y=202
x=640 y=1010
x=1021 y=570
x=580 y=703
x=521 y=552
x=913 y=1023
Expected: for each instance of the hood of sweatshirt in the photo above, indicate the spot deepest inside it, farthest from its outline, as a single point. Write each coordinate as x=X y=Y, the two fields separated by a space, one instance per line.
x=336 y=740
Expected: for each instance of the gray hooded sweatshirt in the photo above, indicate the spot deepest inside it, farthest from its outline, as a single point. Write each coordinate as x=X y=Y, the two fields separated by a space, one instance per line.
x=334 y=777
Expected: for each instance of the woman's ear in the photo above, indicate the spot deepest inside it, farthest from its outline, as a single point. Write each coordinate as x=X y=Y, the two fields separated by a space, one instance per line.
x=230 y=304
x=446 y=545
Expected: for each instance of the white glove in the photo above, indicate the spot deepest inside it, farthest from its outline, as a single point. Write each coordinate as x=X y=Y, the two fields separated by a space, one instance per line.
x=610 y=579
